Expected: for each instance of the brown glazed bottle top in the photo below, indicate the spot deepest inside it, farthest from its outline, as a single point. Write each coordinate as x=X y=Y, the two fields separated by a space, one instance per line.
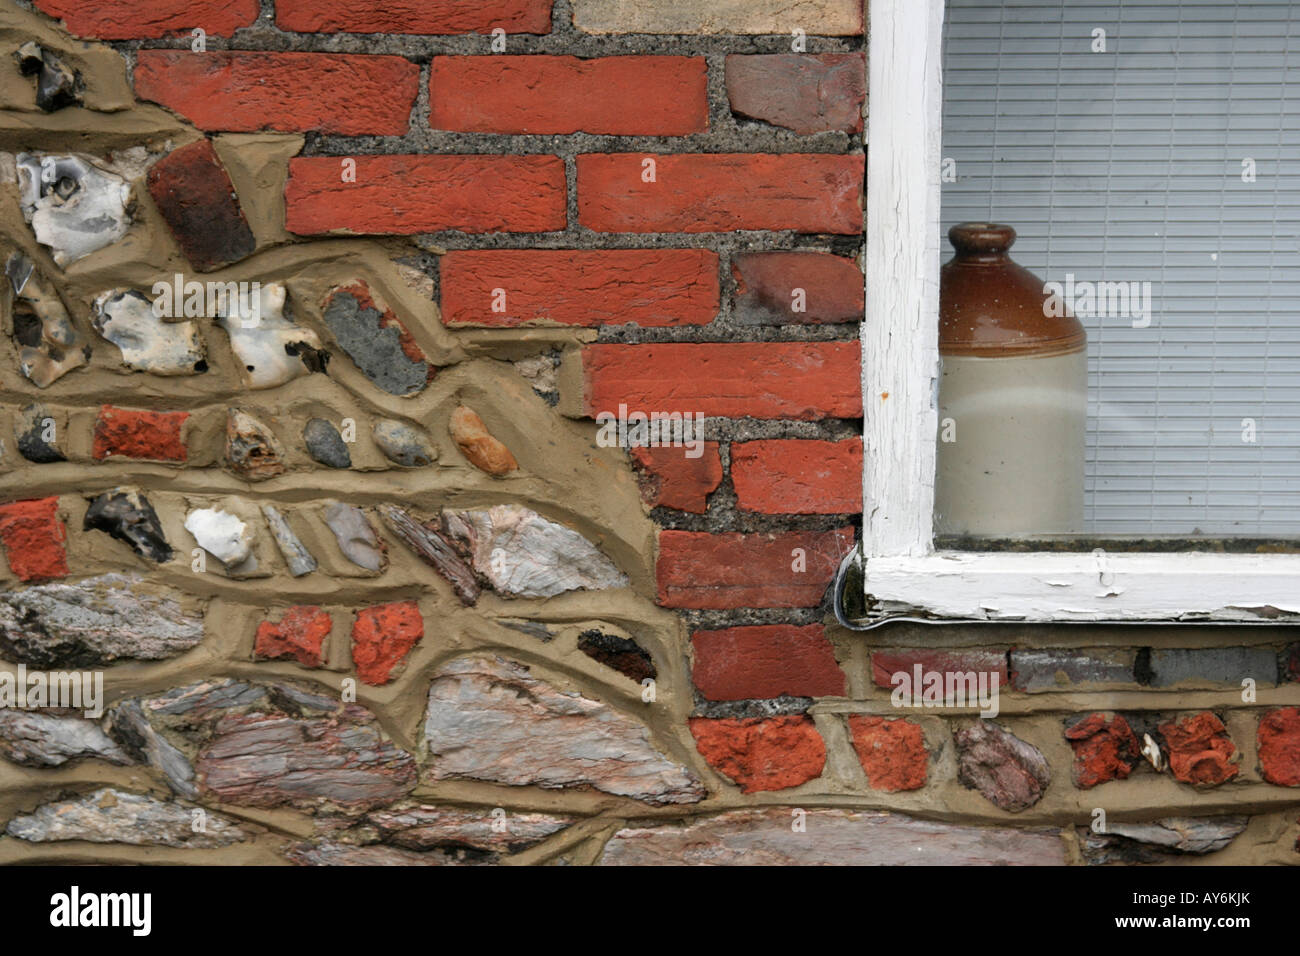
x=992 y=308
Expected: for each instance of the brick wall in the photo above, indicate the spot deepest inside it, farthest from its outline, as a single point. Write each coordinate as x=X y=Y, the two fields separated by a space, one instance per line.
x=377 y=529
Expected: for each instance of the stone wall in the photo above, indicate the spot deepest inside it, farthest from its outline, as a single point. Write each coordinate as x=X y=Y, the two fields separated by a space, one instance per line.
x=362 y=573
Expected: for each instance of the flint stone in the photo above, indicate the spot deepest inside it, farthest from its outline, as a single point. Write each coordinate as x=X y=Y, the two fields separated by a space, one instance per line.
x=96 y=621
x=127 y=515
x=355 y=535
x=271 y=350
x=372 y=337
x=403 y=444
x=325 y=444
x=73 y=206
x=522 y=554
x=35 y=738
x=148 y=343
x=115 y=816
x=1009 y=772
x=49 y=345
x=31 y=436
x=295 y=554
x=253 y=451
x=1160 y=840
x=488 y=719
x=833 y=838
x=223 y=536
x=57 y=85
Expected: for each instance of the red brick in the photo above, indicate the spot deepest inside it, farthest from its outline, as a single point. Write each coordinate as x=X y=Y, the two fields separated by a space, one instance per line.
x=298 y=635
x=34 y=539
x=1279 y=746
x=1105 y=748
x=382 y=636
x=616 y=95
x=193 y=191
x=832 y=287
x=148 y=19
x=796 y=477
x=132 y=433
x=799 y=380
x=741 y=663
x=1200 y=751
x=772 y=753
x=807 y=94
x=721 y=192
x=438 y=17
x=402 y=195
x=648 y=287
x=886 y=663
x=892 y=752
x=670 y=479
x=341 y=93
x=719 y=571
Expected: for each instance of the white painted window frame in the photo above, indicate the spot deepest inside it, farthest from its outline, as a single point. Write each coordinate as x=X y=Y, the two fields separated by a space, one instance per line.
x=904 y=575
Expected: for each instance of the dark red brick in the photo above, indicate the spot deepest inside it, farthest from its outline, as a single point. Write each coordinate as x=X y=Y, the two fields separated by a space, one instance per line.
x=436 y=17
x=798 y=477
x=668 y=478
x=832 y=288
x=765 y=661
x=886 y=663
x=193 y=191
x=149 y=19
x=133 y=433
x=801 y=92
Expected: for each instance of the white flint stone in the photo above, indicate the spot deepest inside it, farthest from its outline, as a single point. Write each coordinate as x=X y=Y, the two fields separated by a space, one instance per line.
x=74 y=207
x=126 y=318
x=222 y=535
x=258 y=334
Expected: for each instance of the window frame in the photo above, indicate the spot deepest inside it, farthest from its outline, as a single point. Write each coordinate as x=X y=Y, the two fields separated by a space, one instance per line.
x=904 y=574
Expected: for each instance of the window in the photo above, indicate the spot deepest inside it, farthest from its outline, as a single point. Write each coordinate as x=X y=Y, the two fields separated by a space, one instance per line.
x=908 y=573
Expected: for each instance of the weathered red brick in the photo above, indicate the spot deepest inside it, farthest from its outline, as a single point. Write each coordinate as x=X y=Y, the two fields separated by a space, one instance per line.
x=892 y=752
x=193 y=191
x=242 y=91
x=718 y=571
x=437 y=17
x=148 y=19
x=298 y=635
x=615 y=95
x=1105 y=748
x=767 y=282
x=402 y=195
x=648 y=287
x=741 y=663
x=134 y=433
x=670 y=479
x=721 y=192
x=798 y=477
x=800 y=380
x=886 y=663
x=34 y=539
x=382 y=636
x=772 y=753
x=1279 y=746
x=1200 y=751
x=807 y=94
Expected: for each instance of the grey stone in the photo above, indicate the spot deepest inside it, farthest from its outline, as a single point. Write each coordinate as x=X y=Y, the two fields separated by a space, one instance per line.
x=129 y=726
x=110 y=815
x=489 y=719
x=325 y=444
x=1009 y=772
x=36 y=738
x=73 y=206
x=127 y=515
x=36 y=423
x=403 y=444
x=375 y=348
x=766 y=837
x=355 y=535
x=1058 y=668
x=346 y=854
x=1214 y=665
x=427 y=828
x=95 y=621
x=295 y=554
x=57 y=85
x=126 y=318
x=1160 y=840
x=522 y=554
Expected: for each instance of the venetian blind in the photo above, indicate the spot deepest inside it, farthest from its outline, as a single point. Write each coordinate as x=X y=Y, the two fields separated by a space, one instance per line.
x=1152 y=141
